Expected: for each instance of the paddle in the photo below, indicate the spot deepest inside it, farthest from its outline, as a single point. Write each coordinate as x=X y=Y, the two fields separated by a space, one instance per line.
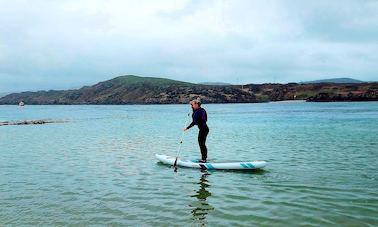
x=182 y=137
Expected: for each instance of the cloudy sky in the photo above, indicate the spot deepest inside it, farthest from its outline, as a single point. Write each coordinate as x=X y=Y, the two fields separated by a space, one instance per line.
x=56 y=44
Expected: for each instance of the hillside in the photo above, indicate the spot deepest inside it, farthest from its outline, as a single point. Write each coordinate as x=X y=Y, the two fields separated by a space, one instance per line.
x=336 y=80
x=149 y=90
x=134 y=90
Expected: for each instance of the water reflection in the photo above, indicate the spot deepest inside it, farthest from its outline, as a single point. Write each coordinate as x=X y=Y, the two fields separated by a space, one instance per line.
x=201 y=207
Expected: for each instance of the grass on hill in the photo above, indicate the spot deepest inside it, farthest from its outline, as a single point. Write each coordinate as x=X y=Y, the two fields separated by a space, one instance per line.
x=138 y=80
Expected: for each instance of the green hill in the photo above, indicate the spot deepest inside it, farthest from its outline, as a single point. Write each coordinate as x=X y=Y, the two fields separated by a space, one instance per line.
x=134 y=90
x=131 y=80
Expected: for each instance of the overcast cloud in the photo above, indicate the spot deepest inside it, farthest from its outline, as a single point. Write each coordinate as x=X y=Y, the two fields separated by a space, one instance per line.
x=68 y=44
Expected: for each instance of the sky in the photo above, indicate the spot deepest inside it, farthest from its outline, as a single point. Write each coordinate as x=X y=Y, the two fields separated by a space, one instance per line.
x=57 y=44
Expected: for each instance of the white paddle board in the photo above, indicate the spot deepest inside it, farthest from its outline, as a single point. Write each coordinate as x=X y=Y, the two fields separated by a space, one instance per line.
x=242 y=165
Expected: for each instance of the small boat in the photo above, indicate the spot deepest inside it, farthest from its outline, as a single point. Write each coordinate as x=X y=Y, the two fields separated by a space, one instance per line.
x=21 y=103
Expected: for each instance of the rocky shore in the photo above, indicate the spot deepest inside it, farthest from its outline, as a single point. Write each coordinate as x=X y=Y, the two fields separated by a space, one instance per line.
x=30 y=122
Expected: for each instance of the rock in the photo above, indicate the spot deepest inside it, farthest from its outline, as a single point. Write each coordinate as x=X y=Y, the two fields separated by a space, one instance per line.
x=30 y=122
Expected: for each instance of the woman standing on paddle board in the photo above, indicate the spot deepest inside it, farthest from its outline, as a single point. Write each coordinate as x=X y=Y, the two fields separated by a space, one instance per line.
x=200 y=118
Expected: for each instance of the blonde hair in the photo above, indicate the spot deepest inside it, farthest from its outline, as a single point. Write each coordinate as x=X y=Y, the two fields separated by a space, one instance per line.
x=197 y=100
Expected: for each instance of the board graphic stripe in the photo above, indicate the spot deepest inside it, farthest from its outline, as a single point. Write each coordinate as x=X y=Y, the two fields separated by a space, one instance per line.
x=209 y=166
x=203 y=166
x=243 y=165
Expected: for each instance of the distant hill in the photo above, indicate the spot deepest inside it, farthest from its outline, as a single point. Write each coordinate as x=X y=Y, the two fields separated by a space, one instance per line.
x=132 y=80
x=215 y=83
x=132 y=89
x=335 y=80
x=150 y=90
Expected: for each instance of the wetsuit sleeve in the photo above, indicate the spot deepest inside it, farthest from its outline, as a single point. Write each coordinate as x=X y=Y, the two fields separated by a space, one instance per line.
x=191 y=125
x=195 y=120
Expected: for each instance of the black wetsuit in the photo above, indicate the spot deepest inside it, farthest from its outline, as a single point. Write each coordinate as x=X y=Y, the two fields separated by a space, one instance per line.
x=200 y=118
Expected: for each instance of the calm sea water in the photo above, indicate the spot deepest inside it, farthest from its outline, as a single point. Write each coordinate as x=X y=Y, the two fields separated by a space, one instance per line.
x=99 y=166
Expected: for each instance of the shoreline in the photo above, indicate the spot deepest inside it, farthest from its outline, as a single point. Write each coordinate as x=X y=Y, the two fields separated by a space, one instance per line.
x=211 y=103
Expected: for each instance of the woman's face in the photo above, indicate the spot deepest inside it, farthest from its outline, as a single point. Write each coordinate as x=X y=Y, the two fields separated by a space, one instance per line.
x=195 y=106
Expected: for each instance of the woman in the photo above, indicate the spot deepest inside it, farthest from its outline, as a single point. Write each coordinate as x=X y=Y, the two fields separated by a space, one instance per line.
x=200 y=118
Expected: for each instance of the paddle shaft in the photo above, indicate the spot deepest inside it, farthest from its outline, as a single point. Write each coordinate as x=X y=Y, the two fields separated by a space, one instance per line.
x=182 y=138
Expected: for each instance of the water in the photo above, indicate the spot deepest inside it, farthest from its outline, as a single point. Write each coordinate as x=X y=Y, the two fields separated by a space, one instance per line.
x=99 y=167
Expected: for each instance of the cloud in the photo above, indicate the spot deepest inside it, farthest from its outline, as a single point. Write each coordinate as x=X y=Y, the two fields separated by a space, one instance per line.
x=64 y=44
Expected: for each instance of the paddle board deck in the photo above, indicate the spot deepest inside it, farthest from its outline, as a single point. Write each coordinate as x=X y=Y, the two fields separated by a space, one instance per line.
x=247 y=165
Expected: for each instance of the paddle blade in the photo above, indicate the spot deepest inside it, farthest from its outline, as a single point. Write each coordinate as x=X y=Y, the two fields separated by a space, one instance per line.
x=175 y=165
